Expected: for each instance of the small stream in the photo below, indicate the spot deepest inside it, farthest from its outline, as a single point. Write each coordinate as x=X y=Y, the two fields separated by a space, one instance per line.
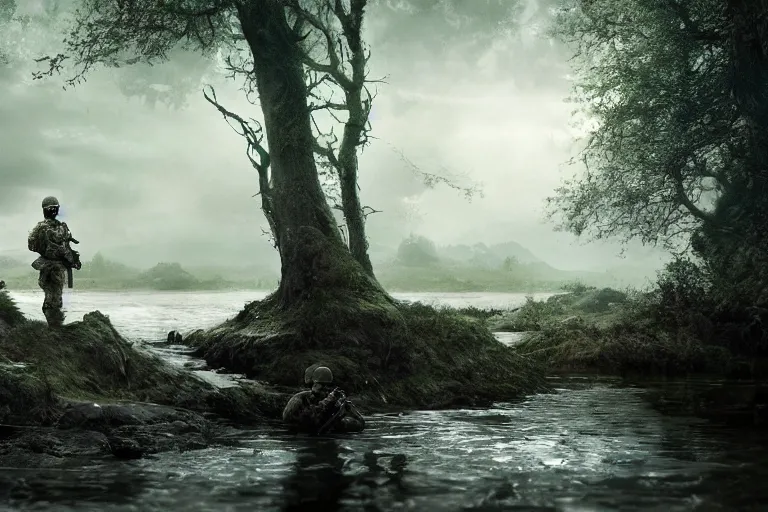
x=593 y=444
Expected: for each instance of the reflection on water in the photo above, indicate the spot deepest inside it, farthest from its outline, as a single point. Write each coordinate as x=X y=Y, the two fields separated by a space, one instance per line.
x=591 y=445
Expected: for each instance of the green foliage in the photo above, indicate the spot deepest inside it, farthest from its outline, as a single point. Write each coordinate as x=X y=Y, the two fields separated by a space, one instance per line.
x=624 y=349
x=588 y=303
x=682 y=285
x=676 y=109
x=9 y=311
x=576 y=288
x=663 y=141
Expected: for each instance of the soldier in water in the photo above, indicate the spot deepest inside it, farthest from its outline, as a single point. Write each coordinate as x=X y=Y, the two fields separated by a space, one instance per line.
x=322 y=409
x=50 y=238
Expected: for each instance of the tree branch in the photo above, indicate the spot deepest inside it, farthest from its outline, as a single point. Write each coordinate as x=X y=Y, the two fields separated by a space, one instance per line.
x=103 y=31
x=333 y=67
x=253 y=136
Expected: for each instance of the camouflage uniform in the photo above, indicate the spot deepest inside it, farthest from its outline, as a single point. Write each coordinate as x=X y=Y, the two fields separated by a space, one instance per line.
x=50 y=239
x=308 y=411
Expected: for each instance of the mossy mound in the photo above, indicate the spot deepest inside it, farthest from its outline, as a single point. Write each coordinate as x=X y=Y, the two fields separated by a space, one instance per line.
x=41 y=370
x=386 y=352
x=624 y=348
x=602 y=306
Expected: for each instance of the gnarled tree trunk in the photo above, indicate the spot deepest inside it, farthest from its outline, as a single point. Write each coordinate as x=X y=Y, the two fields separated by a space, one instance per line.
x=301 y=212
x=350 y=199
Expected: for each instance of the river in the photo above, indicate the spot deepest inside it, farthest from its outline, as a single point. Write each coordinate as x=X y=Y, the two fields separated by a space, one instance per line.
x=594 y=444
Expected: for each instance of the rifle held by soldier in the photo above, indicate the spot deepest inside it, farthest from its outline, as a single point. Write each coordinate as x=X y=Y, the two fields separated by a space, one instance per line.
x=72 y=260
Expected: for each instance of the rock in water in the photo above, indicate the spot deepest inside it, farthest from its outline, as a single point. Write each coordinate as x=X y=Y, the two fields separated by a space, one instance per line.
x=123 y=448
x=174 y=338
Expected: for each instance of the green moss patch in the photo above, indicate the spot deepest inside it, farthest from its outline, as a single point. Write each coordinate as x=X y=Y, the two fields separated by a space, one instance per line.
x=624 y=349
x=10 y=314
x=90 y=361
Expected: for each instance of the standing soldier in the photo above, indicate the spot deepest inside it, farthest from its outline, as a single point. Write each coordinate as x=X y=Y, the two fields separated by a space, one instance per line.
x=50 y=239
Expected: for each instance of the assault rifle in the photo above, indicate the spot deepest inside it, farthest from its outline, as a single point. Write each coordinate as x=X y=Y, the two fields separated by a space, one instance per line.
x=75 y=263
x=341 y=406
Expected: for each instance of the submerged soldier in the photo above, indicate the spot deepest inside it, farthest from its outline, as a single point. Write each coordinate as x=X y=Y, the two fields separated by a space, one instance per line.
x=322 y=409
x=50 y=238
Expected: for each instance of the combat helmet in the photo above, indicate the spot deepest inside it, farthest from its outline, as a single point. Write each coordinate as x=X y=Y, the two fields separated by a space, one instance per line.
x=50 y=201
x=323 y=375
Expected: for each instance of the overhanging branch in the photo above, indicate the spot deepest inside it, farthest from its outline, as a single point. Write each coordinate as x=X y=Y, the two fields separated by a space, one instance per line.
x=253 y=134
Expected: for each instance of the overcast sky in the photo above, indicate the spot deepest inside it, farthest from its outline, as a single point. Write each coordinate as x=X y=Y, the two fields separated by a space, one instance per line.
x=145 y=183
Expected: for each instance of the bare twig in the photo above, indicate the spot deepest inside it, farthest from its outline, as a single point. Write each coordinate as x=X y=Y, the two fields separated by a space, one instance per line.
x=253 y=134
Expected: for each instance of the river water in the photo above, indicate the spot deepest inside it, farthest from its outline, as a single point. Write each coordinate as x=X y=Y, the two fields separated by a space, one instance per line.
x=594 y=444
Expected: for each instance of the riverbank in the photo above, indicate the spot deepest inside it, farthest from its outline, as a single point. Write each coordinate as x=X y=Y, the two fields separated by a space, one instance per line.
x=610 y=332
x=84 y=390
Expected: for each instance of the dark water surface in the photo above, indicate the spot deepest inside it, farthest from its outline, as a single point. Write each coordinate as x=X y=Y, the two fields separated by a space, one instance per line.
x=593 y=444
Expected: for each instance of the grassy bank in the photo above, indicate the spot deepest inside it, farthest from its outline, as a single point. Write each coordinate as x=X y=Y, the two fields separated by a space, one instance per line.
x=42 y=370
x=625 y=333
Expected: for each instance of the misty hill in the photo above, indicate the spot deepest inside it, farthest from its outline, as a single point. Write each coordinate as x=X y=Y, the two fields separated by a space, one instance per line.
x=420 y=265
x=488 y=256
x=168 y=276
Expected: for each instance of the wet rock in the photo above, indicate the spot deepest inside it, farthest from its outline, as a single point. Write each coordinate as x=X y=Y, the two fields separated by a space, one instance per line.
x=81 y=415
x=124 y=448
x=134 y=441
x=100 y=416
x=45 y=447
x=175 y=338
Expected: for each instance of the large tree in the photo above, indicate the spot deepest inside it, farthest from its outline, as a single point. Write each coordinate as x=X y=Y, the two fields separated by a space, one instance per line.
x=675 y=107
x=115 y=32
x=327 y=305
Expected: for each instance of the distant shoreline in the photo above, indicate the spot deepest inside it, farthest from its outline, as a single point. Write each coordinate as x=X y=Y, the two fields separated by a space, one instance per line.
x=227 y=290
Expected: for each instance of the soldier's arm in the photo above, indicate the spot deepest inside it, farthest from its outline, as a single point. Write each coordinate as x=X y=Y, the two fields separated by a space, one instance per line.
x=70 y=236
x=315 y=415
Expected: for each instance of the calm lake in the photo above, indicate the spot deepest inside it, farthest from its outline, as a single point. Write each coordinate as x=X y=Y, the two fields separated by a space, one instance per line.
x=594 y=444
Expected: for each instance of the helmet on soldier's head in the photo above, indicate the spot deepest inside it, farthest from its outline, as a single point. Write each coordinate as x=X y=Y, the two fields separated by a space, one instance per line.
x=323 y=375
x=50 y=201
